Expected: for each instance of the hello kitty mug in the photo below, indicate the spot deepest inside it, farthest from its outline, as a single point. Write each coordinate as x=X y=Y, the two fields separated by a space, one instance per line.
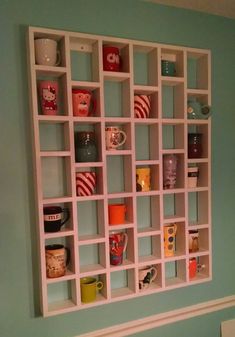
x=48 y=93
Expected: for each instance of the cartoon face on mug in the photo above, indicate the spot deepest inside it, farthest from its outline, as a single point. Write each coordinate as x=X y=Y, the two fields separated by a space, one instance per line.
x=49 y=98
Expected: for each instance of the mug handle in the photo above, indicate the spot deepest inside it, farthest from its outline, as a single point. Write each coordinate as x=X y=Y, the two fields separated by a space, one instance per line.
x=125 y=241
x=68 y=255
x=67 y=216
x=124 y=138
x=200 y=267
x=99 y=285
x=58 y=58
x=154 y=274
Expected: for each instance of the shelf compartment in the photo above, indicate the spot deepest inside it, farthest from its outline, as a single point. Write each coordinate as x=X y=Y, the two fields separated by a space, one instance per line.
x=128 y=255
x=156 y=284
x=56 y=182
x=98 y=188
x=203 y=240
x=180 y=175
x=148 y=213
x=175 y=273
x=203 y=174
x=173 y=136
x=176 y=56
x=203 y=273
x=174 y=206
x=122 y=283
x=124 y=53
x=153 y=96
x=147 y=142
x=145 y=65
x=179 y=239
x=129 y=215
x=198 y=207
x=151 y=180
x=123 y=127
x=198 y=70
x=90 y=219
x=119 y=177
x=173 y=100
x=54 y=136
x=101 y=295
x=149 y=248
x=92 y=258
x=84 y=59
x=203 y=129
x=117 y=98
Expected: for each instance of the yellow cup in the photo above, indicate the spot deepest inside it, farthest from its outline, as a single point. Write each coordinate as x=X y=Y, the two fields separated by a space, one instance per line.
x=169 y=239
x=143 y=179
x=89 y=287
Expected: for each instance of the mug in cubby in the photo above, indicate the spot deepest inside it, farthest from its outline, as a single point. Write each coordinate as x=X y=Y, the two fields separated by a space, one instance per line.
x=142 y=105
x=194 y=268
x=85 y=146
x=46 y=52
x=54 y=218
x=146 y=276
x=117 y=246
x=143 y=178
x=169 y=239
x=85 y=183
x=111 y=58
x=193 y=173
x=193 y=240
x=83 y=103
x=195 y=148
x=168 y=68
x=48 y=94
x=169 y=170
x=114 y=137
x=117 y=214
x=89 y=287
x=57 y=260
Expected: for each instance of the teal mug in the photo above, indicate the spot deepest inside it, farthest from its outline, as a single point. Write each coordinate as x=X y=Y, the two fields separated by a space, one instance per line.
x=168 y=68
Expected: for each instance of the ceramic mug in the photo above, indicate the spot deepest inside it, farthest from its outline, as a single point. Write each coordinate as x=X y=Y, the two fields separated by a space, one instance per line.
x=168 y=68
x=143 y=179
x=57 y=258
x=193 y=241
x=83 y=103
x=117 y=246
x=192 y=176
x=48 y=93
x=46 y=52
x=85 y=183
x=146 y=276
x=114 y=137
x=54 y=218
x=89 y=287
x=142 y=104
x=194 y=267
x=116 y=214
x=169 y=239
x=111 y=58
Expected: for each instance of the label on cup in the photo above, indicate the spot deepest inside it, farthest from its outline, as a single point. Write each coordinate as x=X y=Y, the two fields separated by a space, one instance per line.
x=52 y=217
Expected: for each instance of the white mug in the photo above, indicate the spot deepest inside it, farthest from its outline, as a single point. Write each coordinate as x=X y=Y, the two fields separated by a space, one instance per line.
x=46 y=52
x=114 y=137
x=146 y=276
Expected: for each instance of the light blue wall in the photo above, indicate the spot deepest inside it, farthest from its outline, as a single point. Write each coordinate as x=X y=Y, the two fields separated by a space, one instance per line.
x=19 y=307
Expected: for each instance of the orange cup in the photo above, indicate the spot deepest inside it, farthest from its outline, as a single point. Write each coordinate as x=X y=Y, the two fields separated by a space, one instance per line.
x=117 y=214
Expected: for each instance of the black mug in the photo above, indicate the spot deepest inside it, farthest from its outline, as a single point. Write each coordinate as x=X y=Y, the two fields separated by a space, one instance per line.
x=54 y=218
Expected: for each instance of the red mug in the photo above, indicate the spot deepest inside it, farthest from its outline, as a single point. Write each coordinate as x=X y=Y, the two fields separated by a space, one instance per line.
x=111 y=58
x=48 y=92
x=82 y=101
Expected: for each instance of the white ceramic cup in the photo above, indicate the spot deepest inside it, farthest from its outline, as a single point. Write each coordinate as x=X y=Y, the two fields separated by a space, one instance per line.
x=114 y=137
x=146 y=276
x=46 y=52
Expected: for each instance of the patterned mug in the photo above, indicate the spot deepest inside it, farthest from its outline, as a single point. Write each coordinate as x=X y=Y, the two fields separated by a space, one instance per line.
x=85 y=183
x=142 y=104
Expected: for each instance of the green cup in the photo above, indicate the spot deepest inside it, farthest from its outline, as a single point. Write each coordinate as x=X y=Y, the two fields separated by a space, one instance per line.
x=168 y=68
x=89 y=287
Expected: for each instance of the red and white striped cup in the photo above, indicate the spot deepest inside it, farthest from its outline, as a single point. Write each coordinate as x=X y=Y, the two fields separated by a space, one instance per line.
x=142 y=106
x=85 y=183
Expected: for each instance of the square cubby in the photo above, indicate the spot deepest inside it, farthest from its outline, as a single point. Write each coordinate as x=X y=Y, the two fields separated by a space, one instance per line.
x=173 y=101
x=198 y=70
x=175 y=273
x=122 y=283
x=57 y=218
x=118 y=136
x=174 y=239
x=199 y=268
x=145 y=65
x=150 y=277
x=86 y=100
x=149 y=248
x=147 y=178
x=173 y=136
x=172 y=62
x=120 y=212
x=198 y=239
x=146 y=104
x=174 y=206
x=148 y=214
x=89 y=181
x=61 y=295
x=198 y=175
x=90 y=220
x=116 y=56
x=92 y=257
x=84 y=58
x=198 y=105
x=55 y=171
x=173 y=171
x=117 y=98
x=121 y=247
x=87 y=141
x=119 y=177
x=52 y=93
x=93 y=289
x=198 y=208
x=146 y=142
x=53 y=136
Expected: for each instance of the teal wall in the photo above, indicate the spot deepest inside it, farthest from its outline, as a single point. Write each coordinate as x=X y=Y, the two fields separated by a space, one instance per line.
x=19 y=289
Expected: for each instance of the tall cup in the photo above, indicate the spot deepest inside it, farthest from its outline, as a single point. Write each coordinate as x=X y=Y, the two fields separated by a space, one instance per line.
x=48 y=93
x=117 y=246
x=83 y=103
x=169 y=239
x=46 y=52
x=57 y=259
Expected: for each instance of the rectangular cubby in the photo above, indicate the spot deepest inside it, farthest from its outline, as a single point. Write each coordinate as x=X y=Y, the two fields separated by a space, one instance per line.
x=112 y=142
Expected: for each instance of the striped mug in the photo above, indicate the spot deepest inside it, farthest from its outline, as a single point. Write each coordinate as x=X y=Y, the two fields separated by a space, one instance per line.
x=142 y=106
x=85 y=183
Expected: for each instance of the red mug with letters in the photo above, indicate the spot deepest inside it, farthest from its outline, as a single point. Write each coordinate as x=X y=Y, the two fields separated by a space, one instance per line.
x=83 y=103
x=111 y=58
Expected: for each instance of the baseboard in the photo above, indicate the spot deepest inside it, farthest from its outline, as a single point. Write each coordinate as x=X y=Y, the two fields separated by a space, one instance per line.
x=131 y=327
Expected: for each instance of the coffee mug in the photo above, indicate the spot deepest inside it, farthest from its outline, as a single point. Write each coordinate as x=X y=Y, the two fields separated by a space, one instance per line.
x=142 y=106
x=168 y=68
x=57 y=258
x=117 y=246
x=89 y=287
x=146 y=276
x=193 y=241
x=48 y=93
x=46 y=52
x=111 y=58
x=117 y=214
x=114 y=137
x=143 y=179
x=169 y=239
x=194 y=267
x=54 y=218
x=83 y=103
x=85 y=183
x=192 y=177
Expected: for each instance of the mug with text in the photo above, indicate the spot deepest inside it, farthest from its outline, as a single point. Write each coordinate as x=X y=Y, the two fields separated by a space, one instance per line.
x=54 y=218
x=111 y=58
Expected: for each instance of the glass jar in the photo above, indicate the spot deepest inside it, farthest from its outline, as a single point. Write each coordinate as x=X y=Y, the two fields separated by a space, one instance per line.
x=169 y=171
x=194 y=145
x=85 y=147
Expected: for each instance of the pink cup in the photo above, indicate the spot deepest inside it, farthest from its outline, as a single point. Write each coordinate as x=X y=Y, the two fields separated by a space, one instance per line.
x=85 y=183
x=83 y=103
x=48 y=93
